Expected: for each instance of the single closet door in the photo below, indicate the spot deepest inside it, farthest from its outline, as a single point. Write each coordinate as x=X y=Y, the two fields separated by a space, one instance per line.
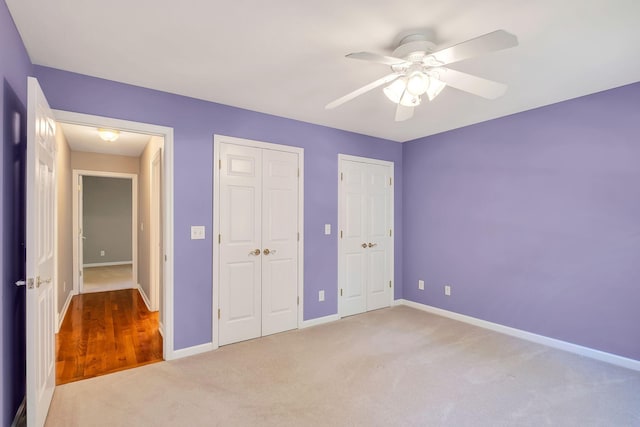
x=258 y=242
x=365 y=248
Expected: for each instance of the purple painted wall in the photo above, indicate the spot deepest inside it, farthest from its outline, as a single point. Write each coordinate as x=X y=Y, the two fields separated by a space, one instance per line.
x=14 y=68
x=534 y=220
x=195 y=122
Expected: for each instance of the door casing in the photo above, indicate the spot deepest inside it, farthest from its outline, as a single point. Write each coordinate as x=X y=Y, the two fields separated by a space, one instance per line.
x=217 y=140
x=168 y=351
x=391 y=261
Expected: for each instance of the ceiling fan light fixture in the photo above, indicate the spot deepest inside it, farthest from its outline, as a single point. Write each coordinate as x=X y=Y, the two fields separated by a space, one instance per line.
x=409 y=100
x=435 y=87
x=418 y=83
x=395 y=90
x=109 y=135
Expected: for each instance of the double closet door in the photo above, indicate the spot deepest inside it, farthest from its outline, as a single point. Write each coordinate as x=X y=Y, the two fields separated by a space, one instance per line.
x=258 y=265
x=366 y=242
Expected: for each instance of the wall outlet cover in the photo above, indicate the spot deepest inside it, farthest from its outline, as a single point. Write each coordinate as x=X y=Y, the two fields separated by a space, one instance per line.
x=320 y=295
x=421 y=285
x=447 y=290
x=197 y=232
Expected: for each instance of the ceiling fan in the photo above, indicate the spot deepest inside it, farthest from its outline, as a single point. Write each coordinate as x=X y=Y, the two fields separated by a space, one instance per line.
x=418 y=69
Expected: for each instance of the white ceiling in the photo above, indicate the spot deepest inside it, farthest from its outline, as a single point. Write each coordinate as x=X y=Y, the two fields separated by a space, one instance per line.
x=86 y=138
x=286 y=57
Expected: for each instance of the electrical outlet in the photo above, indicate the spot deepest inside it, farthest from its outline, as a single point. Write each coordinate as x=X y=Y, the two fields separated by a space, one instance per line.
x=421 y=285
x=447 y=290
x=320 y=295
x=101 y=253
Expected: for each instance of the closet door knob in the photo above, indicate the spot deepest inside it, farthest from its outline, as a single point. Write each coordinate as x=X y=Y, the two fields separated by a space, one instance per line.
x=372 y=244
x=255 y=252
x=364 y=245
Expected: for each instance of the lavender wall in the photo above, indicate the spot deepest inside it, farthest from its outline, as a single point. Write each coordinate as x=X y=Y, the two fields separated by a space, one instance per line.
x=14 y=68
x=534 y=220
x=194 y=124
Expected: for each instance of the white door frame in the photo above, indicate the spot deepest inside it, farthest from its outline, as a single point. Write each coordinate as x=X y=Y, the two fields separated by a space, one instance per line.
x=217 y=140
x=154 y=229
x=77 y=220
x=167 y=203
x=367 y=160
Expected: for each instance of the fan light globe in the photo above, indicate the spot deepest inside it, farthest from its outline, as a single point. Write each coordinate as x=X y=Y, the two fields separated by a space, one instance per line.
x=417 y=83
x=395 y=90
x=435 y=87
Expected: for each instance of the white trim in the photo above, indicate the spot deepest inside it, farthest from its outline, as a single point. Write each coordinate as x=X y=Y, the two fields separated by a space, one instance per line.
x=167 y=200
x=60 y=316
x=192 y=351
x=161 y=329
x=107 y=264
x=528 y=336
x=391 y=165
x=217 y=139
x=155 y=220
x=320 y=321
x=144 y=296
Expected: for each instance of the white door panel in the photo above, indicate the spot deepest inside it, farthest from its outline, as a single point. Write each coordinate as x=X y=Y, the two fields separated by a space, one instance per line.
x=280 y=239
x=365 y=244
x=240 y=227
x=40 y=255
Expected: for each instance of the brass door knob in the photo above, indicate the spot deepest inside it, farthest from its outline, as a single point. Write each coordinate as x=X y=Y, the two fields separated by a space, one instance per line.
x=255 y=252
x=372 y=244
x=364 y=245
x=266 y=251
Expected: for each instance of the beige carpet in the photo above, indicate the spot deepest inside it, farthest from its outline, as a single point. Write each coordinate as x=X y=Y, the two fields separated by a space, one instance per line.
x=107 y=278
x=391 y=367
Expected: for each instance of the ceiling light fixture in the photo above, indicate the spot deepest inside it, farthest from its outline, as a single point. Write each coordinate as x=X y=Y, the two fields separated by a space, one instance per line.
x=109 y=135
x=408 y=91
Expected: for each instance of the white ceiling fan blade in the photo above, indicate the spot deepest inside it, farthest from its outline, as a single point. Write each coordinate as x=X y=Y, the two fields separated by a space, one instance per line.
x=496 y=40
x=403 y=113
x=472 y=84
x=348 y=97
x=380 y=59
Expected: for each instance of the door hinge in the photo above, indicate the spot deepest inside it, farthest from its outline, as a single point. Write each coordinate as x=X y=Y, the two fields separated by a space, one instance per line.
x=298 y=172
x=341 y=234
x=390 y=233
x=218 y=313
x=390 y=184
x=165 y=257
x=341 y=176
x=219 y=238
x=298 y=236
x=340 y=291
x=80 y=273
x=298 y=300
x=389 y=283
x=219 y=163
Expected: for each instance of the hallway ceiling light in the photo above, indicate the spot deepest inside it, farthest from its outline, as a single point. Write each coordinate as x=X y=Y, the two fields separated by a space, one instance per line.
x=109 y=135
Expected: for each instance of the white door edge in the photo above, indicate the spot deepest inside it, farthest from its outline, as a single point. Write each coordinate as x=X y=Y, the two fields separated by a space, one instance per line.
x=217 y=140
x=390 y=164
x=167 y=203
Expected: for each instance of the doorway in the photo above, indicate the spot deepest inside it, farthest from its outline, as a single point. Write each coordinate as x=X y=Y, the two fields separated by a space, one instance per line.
x=365 y=246
x=105 y=214
x=258 y=205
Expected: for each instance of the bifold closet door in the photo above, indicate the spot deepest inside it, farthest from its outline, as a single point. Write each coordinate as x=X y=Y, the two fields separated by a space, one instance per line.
x=259 y=242
x=365 y=264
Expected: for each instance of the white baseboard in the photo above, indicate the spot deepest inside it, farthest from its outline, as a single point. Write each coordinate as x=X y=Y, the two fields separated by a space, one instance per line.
x=144 y=296
x=319 y=321
x=106 y=264
x=63 y=313
x=191 y=351
x=529 y=336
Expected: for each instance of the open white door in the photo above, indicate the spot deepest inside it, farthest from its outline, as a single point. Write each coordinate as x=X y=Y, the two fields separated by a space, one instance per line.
x=80 y=255
x=41 y=148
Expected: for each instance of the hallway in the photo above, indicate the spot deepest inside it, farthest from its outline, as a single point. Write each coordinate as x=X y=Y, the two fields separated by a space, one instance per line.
x=106 y=332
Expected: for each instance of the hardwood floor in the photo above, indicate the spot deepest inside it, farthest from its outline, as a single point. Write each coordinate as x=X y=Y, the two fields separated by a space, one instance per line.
x=106 y=332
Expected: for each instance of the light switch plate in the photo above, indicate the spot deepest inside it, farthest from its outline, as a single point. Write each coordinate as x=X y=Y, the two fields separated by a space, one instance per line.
x=421 y=285
x=327 y=229
x=197 y=232
x=321 y=295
